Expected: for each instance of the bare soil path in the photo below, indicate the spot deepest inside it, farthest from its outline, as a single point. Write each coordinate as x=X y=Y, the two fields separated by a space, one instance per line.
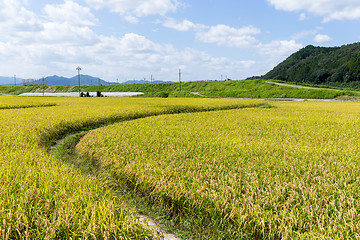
x=154 y=227
x=197 y=93
x=148 y=222
x=298 y=86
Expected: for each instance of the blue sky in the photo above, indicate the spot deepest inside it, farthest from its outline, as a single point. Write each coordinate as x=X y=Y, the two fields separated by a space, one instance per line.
x=132 y=39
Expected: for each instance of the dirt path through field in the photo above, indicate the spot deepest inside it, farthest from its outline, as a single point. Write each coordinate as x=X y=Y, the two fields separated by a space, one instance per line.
x=199 y=94
x=149 y=223
x=153 y=226
x=297 y=86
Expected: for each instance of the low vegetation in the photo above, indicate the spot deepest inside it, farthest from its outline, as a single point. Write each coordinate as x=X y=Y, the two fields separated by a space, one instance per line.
x=240 y=89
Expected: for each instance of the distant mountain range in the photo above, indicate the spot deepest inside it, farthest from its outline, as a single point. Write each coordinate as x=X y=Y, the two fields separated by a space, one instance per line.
x=73 y=81
x=7 y=81
x=84 y=80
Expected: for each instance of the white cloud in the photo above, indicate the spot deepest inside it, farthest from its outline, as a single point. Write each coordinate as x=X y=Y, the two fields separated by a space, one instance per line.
x=277 y=51
x=132 y=9
x=329 y=10
x=304 y=34
x=228 y=36
x=279 y=48
x=70 y=12
x=184 y=26
x=224 y=35
x=135 y=54
x=62 y=38
x=320 y=38
x=15 y=20
x=274 y=53
x=302 y=17
x=220 y=34
x=56 y=45
x=65 y=33
x=131 y=19
x=346 y=13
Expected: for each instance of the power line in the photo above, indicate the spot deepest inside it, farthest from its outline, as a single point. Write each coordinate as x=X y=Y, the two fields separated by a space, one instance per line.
x=43 y=86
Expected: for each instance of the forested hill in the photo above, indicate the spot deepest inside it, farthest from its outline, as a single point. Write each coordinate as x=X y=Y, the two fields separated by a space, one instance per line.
x=335 y=66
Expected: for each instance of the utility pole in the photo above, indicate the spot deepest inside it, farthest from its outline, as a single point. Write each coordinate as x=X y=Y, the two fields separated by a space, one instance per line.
x=151 y=83
x=79 y=69
x=15 y=79
x=179 y=80
x=43 y=83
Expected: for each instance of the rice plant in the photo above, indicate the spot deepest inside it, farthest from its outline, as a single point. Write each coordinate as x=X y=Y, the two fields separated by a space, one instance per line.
x=43 y=198
x=287 y=172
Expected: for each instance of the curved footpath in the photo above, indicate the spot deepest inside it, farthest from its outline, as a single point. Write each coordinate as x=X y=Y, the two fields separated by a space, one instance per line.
x=149 y=223
x=295 y=86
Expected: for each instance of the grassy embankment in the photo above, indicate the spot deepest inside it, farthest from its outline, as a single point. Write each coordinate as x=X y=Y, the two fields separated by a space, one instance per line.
x=242 y=89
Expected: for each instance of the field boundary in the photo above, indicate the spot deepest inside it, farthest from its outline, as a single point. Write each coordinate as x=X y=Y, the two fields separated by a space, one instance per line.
x=63 y=129
x=27 y=106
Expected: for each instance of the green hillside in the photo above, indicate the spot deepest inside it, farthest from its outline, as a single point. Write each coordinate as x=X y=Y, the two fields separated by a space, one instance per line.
x=336 y=66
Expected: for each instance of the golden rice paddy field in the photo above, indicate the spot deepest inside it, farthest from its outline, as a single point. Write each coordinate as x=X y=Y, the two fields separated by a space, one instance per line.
x=289 y=172
x=41 y=197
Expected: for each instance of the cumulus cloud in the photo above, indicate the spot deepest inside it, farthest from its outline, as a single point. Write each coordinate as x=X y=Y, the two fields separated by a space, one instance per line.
x=70 y=12
x=184 y=26
x=132 y=9
x=65 y=33
x=244 y=37
x=68 y=23
x=274 y=53
x=304 y=34
x=55 y=43
x=228 y=36
x=15 y=20
x=329 y=10
x=62 y=38
x=302 y=17
x=277 y=51
x=135 y=54
x=279 y=48
x=320 y=38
